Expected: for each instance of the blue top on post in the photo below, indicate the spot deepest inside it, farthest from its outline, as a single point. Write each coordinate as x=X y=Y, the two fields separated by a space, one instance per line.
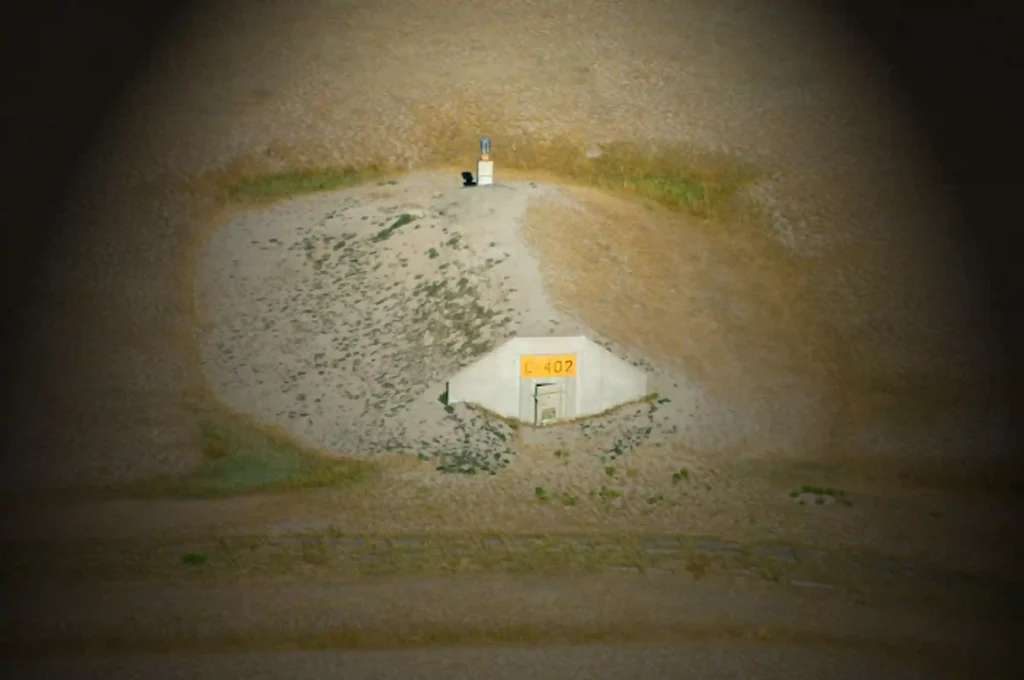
x=485 y=146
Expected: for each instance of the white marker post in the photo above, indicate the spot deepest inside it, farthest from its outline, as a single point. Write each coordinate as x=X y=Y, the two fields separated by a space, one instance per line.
x=485 y=166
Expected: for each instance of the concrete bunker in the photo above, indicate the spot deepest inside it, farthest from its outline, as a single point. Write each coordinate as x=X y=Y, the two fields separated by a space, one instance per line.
x=545 y=380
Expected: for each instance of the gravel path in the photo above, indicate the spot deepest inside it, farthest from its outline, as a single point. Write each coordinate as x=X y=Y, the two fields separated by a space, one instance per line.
x=341 y=317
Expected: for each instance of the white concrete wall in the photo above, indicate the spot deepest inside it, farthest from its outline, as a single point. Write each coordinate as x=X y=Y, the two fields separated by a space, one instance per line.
x=603 y=380
x=492 y=382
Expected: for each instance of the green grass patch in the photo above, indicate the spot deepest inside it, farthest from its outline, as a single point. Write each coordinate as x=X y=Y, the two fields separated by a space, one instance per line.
x=244 y=458
x=699 y=186
x=194 y=559
x=697 y=183
x=286 y=184
x=681 y=178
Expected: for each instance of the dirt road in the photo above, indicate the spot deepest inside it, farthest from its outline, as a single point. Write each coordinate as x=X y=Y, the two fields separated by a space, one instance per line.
x=200 y=629
x=588 y=662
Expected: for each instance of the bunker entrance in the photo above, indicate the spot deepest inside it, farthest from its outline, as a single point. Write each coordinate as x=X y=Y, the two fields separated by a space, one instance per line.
x=549 y=403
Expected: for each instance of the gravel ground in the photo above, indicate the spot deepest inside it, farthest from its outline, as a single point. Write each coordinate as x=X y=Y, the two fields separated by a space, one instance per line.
x=341 y=317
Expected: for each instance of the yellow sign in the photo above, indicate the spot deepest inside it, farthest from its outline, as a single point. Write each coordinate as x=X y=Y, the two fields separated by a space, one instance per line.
x=548 y=366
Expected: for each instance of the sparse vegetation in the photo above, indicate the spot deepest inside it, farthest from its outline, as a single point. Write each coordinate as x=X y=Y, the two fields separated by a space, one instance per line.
x=388 y=232
x=820 y=495
x=276 y=186
x=329 y=550
x=242 y=458
x=511 y=423
x=679 y=178
x=491 y=453
x=818 y=490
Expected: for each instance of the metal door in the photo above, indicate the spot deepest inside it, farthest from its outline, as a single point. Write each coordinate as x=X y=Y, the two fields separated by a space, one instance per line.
x=550 y=403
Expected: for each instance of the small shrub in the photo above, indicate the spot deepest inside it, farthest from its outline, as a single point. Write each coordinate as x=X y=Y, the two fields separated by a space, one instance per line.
x=683 y=474
x=194 y=559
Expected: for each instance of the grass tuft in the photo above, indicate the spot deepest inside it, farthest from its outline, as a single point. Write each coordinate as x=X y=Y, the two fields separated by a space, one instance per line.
x=388 y=232
x=194 y=559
